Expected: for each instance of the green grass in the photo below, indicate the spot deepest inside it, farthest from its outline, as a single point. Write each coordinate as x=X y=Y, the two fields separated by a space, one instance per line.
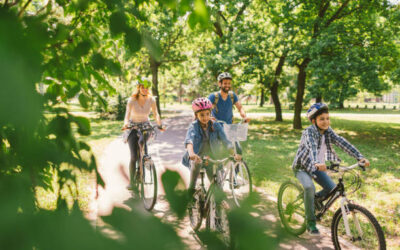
x=271 y=147
x=251 y=108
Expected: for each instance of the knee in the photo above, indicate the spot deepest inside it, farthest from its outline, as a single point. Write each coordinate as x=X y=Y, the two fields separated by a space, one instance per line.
x=309 y=189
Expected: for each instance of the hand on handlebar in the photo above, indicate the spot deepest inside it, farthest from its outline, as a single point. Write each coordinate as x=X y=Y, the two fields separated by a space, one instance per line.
x=195 y=158
x=246 y=120
x=237 y=157
x=364 y=162
x=321 y=166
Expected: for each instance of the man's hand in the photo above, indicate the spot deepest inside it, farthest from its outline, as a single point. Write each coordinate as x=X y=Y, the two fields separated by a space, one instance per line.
x=320 y=166
x=246 y=120
x=125 y=127
x=237 y=157
x=365 y=162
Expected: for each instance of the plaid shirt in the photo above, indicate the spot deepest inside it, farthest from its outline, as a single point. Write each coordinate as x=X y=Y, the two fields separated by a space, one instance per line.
x=310 y=143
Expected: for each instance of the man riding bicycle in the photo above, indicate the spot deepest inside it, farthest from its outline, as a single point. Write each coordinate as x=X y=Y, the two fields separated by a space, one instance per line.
x=224 y=100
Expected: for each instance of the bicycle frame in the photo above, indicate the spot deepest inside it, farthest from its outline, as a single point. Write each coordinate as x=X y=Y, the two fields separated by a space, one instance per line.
x=334 y=194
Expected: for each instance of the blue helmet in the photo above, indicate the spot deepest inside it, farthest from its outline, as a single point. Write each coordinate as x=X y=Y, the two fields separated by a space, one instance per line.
x=313 y=110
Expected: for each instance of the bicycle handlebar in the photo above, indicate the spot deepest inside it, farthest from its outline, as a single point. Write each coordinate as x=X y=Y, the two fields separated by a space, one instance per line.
x=337 y=167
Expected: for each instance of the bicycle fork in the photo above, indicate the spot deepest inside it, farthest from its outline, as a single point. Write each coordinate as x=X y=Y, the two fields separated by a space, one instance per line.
x=345 y=212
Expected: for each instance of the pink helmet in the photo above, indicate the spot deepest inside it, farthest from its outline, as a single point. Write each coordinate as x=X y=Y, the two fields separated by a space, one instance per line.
x=201 y=104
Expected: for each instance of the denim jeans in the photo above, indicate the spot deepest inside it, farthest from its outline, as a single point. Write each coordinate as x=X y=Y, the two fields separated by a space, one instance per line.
x=323 y=179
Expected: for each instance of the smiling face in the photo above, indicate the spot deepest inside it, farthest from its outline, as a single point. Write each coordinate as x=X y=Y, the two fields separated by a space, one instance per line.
x=204 y=116
x=322 y=121
x=143 y=90
x=225 y=85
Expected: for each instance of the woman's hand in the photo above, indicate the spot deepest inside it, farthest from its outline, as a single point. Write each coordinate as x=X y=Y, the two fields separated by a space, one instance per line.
x=365 y=162
x=320 y=166
x=125 y=127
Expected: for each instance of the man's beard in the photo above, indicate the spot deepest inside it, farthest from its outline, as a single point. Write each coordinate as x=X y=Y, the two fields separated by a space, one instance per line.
x=226 y=89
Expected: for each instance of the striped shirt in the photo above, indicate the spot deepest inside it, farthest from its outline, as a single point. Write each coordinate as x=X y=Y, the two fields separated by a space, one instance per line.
x=310 y=144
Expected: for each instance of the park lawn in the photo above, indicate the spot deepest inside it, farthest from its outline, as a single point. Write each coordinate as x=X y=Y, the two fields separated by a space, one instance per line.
x=251 y=108
x=271 y=147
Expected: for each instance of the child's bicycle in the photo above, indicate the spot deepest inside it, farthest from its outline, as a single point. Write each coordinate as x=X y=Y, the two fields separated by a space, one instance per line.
x=351 y=222
x=144 y=183
x=205 y=204
x=238 y=176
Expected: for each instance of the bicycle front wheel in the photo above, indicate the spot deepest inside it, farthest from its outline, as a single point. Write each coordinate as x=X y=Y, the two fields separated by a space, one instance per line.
x=364 y=230
x=149 y=184
x=291 y=207
x=240 y=181
x=217 y=220
x=195 y=209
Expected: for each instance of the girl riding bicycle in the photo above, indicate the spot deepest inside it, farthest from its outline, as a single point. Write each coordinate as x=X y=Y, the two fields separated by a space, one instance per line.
x=316 y=147
x=204 y=138
x=137 y=114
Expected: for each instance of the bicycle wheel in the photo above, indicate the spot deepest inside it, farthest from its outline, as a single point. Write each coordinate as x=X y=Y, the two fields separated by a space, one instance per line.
x=240 y=181
x=149 y=184
x=195 y=209
x=366 y=233
x=291 y=207
x=217 y=219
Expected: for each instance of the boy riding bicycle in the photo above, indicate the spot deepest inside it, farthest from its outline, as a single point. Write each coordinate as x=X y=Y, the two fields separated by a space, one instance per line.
x=316 y=147
x=204 y=138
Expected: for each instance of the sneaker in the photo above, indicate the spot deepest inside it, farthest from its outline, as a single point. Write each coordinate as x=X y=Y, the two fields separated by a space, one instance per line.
x=312 y=229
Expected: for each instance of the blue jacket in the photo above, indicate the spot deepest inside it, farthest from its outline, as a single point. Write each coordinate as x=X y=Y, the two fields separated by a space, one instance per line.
x=218 y=141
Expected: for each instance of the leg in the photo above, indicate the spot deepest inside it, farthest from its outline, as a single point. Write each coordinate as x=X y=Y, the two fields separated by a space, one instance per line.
x=309 y=193
x=325 y=181
x=194 y=173
x=133 y=147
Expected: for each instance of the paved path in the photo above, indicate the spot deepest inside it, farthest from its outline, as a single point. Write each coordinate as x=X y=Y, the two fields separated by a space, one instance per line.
x=167 y=151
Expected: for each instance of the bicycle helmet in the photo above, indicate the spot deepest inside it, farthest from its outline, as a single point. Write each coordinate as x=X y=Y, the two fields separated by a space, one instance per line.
x=316 y=109
x=224 y=75
x=201 y=104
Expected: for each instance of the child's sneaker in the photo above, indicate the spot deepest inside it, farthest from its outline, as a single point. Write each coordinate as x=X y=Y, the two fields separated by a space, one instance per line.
x=312 y=229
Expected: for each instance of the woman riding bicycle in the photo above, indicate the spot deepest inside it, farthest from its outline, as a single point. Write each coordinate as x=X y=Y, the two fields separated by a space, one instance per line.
x=204 y=138
x=316 y=147
x=137 y=114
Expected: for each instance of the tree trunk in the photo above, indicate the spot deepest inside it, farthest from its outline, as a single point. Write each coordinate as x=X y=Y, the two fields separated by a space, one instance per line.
x=318 y=98
x=262 y=97
x=301 y=84
x=275 y=88
x=154 y=65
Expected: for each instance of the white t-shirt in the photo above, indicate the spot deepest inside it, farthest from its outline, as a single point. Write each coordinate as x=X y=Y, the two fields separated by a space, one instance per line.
x=138 y=113
x=322 y=150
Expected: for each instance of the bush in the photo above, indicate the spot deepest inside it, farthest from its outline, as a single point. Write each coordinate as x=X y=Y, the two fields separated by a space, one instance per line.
x=366 y=106
x=394 y=107
x=384 y=107
x=357 y=106
x=374 y=107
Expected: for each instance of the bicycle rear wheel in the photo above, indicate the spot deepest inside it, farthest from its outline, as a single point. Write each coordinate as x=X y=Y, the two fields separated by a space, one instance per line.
x=240 y=181
x=195 y=209
x=149 y=184
x=366 y=233
x=291 y=207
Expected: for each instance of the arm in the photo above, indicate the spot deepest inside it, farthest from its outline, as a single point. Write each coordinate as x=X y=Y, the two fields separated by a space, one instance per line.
x=189 y=144
x=345 y=145
x=241 y=111
x=127 y=113
x=311 y=144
